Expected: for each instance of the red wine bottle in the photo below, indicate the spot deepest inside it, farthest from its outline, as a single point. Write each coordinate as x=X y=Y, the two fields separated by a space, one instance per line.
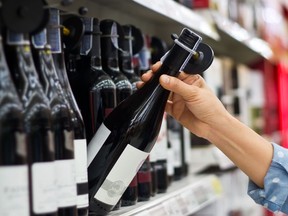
x=127 y=52
x=174 y=136
x=100 y=90
x=131 y=37
x=37 y=124
x=110 y=58
x=80 y=144
x=127 y=135
x=14 y=187
x=144 y=181
x=61 y=125
x=161 y=151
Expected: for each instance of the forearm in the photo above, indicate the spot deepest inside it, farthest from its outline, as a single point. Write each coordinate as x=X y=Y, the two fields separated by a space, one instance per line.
x=248 y=150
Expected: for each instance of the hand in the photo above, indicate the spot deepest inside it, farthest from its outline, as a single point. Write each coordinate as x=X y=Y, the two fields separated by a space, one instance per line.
x=191 y=102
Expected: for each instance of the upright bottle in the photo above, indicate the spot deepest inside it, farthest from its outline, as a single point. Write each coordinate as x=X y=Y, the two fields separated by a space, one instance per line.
x=110 y=59
x=61 y=125
x=160 y=150
x=37 y=124
x=126 y=56
x=175 y=139
x=100 y=92
x=13 y=154
x=80 y=144
x=130 y=196
x=127 y=135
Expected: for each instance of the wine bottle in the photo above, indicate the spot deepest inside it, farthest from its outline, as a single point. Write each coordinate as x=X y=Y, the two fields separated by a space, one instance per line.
x=144 y=181
x=61 y=125
x=127 y=135
x=126 y=54
x=130 y=195
x=110 y=58
x=100 y=91
x=37 y=124
x=80 y=144
x=186 y=149
x=174 y=136
x=161 y=150
x=14 y=185
x=153 y=172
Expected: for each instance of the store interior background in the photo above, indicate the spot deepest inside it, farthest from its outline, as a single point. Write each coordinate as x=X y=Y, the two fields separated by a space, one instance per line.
x=249 y=38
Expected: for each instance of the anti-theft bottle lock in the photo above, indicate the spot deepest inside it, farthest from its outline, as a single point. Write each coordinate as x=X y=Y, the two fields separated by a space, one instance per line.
x=199 y=59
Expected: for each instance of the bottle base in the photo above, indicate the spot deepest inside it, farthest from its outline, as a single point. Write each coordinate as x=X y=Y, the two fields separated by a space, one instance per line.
x=97 y=207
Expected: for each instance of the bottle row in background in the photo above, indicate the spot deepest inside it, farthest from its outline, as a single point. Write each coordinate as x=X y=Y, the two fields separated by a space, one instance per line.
x=57 y=87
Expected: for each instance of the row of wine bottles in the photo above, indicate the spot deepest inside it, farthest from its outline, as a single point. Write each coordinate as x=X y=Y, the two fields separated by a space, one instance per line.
x=68 y=142
x=43 y=156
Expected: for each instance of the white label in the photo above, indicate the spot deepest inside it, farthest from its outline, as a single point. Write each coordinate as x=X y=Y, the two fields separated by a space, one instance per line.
x=66 y=183
x=14 y=195
x=161 y=146
x=82 y=201
x=43 y=187
x=175 y=141
x=96 y=143
x=121 y=175
x=170 y=161
x=187 y=145
x=80 y=151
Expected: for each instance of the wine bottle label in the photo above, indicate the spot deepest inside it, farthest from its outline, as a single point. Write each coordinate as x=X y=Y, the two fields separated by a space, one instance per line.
x=187 y=145
x=54 y=34
x=80 y=151
x=175 y=141
x=96 y=143
x=121 y=175
x=83 y=200
x=39 y=40
x=66 y=183
x=161 y=145
x=44 y=187
x=14 y=38
x=170 y=161
x=14 y=190
x=86 y=43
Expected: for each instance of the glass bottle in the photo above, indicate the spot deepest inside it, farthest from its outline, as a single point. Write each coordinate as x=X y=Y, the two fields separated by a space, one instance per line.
x=127 y=135
x=37 y=124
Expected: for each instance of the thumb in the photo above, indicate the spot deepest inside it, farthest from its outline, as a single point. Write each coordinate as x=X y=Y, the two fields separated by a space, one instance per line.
x=177 y=86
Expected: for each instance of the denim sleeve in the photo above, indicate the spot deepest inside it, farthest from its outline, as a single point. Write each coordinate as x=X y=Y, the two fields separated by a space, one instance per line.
x=274 y=195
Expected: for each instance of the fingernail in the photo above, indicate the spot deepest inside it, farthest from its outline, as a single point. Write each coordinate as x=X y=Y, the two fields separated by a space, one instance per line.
x=166 y=79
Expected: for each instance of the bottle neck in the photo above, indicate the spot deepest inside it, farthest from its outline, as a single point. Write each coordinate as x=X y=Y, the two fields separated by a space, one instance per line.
x=54 y=32
x=125 y=55
x=109 y=54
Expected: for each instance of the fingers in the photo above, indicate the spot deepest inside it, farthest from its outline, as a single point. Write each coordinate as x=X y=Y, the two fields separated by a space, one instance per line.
x=179 y=87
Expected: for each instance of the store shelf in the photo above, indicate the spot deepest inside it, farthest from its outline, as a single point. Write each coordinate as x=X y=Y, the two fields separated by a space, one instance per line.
x=163 y=17
x=183 y=197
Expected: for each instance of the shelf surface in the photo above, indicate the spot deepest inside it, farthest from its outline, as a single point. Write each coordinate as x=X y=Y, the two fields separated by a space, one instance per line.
x=183 y=197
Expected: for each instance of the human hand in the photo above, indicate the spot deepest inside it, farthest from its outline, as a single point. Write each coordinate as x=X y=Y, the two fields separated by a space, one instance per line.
x=191 y=101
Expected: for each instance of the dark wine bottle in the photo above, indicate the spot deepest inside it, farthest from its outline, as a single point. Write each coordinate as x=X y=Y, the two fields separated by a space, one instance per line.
x=37 y=125
x=14 y=187
x=131 y=37
x=80 y=145
x=153 y=172
x=160 y=149
x=110 y=58
x=61 y=125
x=186 y=150
x=127 y=135
x=175 y=138
x=100 y=91
x=127 y=52
x=144 y=181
